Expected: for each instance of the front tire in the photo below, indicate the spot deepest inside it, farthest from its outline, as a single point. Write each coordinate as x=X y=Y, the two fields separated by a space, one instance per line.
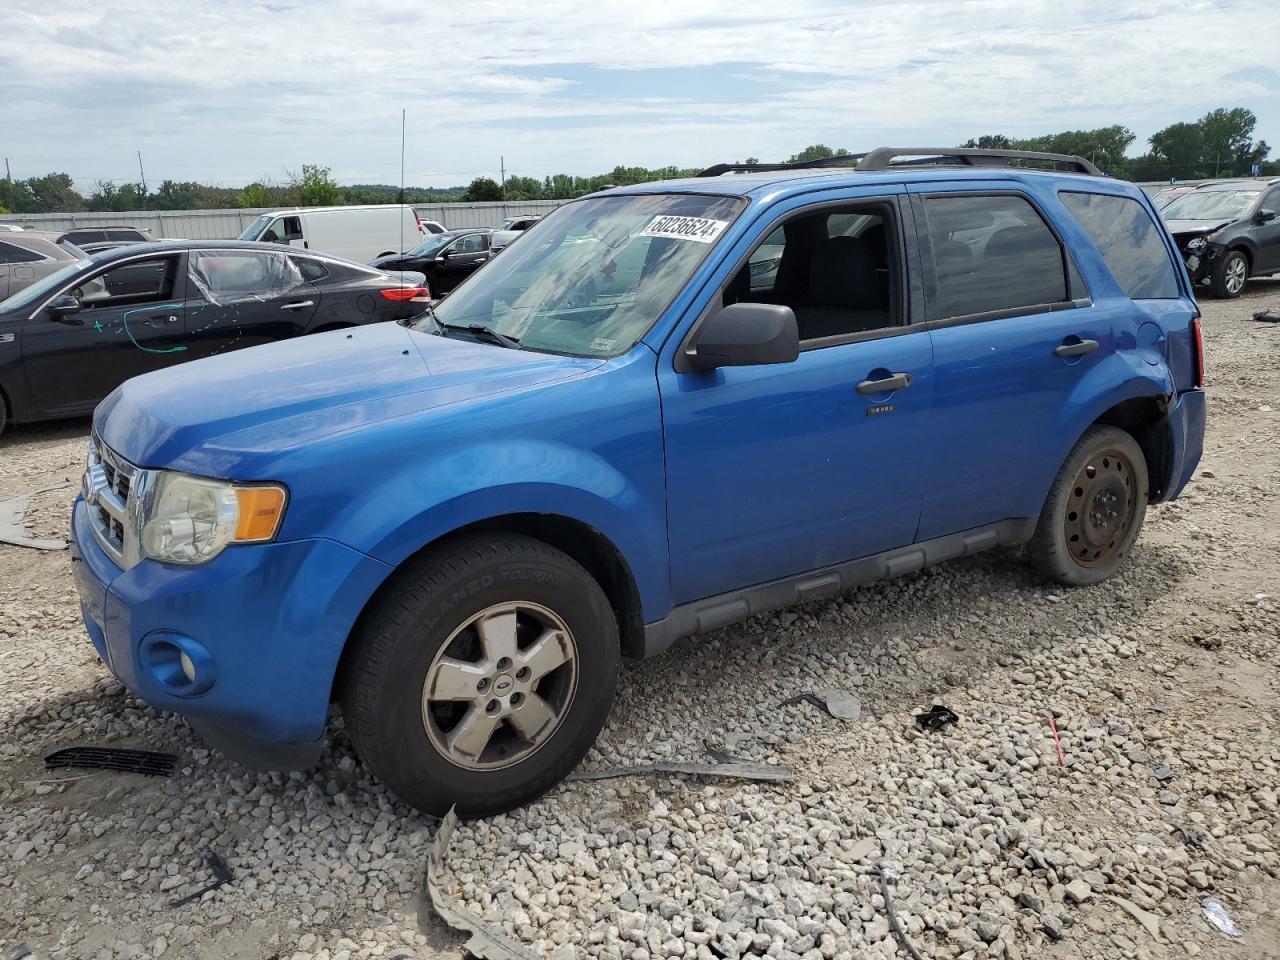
x=482 y=675
x=1094 y=510
x=1230 y=275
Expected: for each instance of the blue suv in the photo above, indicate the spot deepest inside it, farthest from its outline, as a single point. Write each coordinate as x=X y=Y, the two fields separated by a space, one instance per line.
x=666 y=408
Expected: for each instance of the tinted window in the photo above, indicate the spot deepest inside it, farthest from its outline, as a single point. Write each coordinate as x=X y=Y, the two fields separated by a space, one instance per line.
x=312 y=270
x=992 y=253
x=136 y=281
x=11 y=254
x=125 y=236
x=84 y=236
x=1129 y=241
x=471 y=244
x=831 y=267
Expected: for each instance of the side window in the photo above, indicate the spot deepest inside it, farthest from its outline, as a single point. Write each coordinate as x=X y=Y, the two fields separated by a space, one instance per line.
x=472 y=243
x=282 y=230
x=1271 y=201
x=224 y=276
x=137 y=281
x=10 y=253
x=831 y=267
x=311 y=270
x=125 y=236
x=84 y=236
x=992 y=253
x=1129 y=241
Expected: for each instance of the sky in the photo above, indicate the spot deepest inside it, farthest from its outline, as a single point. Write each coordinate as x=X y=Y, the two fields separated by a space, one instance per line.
x=242 y=90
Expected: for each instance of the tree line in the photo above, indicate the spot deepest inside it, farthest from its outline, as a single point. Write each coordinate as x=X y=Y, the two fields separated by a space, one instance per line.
x=1219 y=144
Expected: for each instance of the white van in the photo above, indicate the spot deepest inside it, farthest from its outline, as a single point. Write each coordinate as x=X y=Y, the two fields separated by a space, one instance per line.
x=358 y=233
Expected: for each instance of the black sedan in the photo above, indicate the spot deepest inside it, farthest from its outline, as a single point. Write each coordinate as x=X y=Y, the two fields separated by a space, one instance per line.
x=445 y=258
x=71 y=338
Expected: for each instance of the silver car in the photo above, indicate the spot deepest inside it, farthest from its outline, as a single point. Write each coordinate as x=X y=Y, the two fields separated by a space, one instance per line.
x=31 y=255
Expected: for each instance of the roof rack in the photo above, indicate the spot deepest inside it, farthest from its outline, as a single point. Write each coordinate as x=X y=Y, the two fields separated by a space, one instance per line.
x=883 y=158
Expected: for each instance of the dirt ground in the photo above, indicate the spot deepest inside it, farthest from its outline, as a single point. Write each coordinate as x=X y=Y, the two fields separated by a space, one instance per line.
x=1163 y=684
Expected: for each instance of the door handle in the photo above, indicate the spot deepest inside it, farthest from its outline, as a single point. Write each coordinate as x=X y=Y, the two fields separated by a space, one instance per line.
x=300 y=304
x=1077 y=349
x=899 y=381
x=161 y=320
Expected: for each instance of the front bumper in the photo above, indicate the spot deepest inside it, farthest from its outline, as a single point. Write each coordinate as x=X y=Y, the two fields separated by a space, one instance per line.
x=273 y=618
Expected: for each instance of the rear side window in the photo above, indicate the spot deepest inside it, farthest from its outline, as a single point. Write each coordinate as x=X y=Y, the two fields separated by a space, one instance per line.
x=125 y=236
x=1129 y=241
x=992 y=253
x=311 y=270
x=84 y=236
x=9 y=253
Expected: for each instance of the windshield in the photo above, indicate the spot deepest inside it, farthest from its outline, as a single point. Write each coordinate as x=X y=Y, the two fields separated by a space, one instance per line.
x=590 y=279
x=255 y=228
x=1210 y=205
x=432 y=246
x=41 y=288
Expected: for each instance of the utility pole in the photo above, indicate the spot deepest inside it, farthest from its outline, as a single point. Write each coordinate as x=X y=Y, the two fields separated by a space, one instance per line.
x=502 y=168
x=8 y=181
x=143 y=175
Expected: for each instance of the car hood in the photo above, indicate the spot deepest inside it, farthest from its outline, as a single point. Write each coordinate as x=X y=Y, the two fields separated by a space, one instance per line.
x=1195 y=228
x=206 y=416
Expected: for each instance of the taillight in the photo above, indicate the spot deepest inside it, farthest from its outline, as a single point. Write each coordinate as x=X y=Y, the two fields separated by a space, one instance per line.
x=407 y=294
x=1197 y=353
x=421 y=228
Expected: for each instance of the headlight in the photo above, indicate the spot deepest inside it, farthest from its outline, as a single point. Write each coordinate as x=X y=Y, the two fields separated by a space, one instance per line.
x=1196 y=244
x=191 y=520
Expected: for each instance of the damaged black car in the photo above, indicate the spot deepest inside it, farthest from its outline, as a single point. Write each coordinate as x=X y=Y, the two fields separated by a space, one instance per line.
x=1228 y=231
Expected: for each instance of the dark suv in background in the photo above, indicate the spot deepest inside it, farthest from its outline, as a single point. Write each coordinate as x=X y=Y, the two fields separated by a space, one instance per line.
x=1228 y=231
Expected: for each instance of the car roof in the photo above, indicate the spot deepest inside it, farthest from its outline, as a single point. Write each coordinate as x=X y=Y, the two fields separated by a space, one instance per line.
x=1250 y=183
x=19 y=237
x=173 y=246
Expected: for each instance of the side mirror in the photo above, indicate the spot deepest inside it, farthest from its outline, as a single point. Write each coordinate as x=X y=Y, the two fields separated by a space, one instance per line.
x=62 y=309
x=1266 y=215
x=744 y=335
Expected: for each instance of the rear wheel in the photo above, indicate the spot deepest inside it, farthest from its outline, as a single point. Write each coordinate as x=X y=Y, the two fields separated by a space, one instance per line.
x=1230 y=275
x=1094 y=509
x=482 y=676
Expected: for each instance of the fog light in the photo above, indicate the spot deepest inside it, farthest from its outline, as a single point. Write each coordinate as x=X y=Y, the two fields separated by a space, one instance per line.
x=180 y=666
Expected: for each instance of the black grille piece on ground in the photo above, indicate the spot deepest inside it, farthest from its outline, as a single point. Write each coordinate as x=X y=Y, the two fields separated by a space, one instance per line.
x=147 y=762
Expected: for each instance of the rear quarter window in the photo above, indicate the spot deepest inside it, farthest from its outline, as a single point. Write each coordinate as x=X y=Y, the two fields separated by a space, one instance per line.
x=1129 y=241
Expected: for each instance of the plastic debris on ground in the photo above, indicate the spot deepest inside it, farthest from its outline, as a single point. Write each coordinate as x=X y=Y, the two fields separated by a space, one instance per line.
x=12 y=515
x=147 y=762
x=1057 y=740
x=840 y=704
x=1267 y=316
x=724 y=765
x=936 y=717
x=484 y=942
x=221 y=875
x=883 y=872
x=1218 y=916
x=1148 y=920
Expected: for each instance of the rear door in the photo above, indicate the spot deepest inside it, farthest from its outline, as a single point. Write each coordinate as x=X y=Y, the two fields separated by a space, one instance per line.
x=241 y=298
x=130 y=322
x=1014 y=333
x=1268 y=233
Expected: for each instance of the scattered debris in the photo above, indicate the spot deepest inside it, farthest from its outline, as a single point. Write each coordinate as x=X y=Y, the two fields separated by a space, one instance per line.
x=18 y=952
x=221 y=874
x=894 y=923
x=1162 y=772
x=1191 y=836
x=13 y=513
x=148 y=762
x=1218 y=916
x=840 y=704
x=1147 y=919
x=1267 y=316
x=485 y=942
x=936 y=717
x=725 y=765
x=1057 y=741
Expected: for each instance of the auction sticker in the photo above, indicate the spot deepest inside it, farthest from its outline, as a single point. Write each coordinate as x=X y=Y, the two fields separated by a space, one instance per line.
x=698 y=229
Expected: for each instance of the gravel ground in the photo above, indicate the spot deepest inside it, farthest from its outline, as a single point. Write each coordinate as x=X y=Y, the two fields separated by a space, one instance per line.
x=1162 y=682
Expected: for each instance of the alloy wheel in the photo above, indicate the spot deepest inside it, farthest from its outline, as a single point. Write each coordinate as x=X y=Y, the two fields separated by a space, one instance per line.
x=500 y=686
x=1235 y=278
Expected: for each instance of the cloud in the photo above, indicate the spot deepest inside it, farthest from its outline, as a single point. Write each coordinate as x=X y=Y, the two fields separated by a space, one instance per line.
x=237 y=90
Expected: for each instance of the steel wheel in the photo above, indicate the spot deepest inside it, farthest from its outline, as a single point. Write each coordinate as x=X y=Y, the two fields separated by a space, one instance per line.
x=500 y=686
x=1100 y=508
x=1235 y=275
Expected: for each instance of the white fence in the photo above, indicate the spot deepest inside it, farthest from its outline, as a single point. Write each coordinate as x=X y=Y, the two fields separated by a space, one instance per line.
x=229 y=224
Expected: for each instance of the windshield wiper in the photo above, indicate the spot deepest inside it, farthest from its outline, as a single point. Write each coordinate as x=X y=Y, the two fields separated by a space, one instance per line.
x=480 y=330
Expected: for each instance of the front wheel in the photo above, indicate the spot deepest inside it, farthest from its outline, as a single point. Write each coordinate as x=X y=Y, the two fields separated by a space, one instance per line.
x=1230 y=275
x=482 y=676
x=1094 y=510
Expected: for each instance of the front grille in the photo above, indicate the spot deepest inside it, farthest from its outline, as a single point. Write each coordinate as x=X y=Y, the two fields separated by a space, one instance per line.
x=108 y=481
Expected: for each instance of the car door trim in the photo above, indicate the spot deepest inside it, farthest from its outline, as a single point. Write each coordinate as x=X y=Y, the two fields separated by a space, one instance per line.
x=710 y=613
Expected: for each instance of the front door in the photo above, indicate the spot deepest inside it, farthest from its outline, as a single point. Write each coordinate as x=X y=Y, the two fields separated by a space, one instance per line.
x=459 y=260
x=1267 y=234
x=777 y=470
x=130 y=322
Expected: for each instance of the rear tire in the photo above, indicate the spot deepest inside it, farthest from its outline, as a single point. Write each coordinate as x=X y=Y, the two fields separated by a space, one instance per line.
x=1230 y=275
x=482 y=675
x=1094 y=510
